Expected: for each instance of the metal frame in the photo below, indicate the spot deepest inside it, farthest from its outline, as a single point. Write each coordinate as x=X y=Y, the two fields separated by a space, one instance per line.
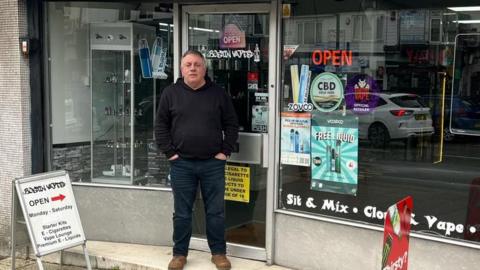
x=176 y=40
x=15 y=186
x=47 y=87
x=273 y=125
x=272 y=9
x=456 y=131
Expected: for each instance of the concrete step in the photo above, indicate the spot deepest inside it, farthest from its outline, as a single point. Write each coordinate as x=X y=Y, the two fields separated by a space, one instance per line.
x=108 y=255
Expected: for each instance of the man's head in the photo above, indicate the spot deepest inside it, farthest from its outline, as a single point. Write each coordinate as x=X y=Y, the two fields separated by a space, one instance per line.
x=193 y=69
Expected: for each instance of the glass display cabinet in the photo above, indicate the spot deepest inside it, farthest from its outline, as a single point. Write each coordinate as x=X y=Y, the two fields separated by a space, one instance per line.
x=119 y=151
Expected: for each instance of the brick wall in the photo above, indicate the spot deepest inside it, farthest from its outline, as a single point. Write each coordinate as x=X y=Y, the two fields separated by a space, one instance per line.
x=15 y=135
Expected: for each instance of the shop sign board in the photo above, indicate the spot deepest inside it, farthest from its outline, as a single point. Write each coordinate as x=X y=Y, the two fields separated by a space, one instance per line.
x=50 y=212
x=227 y=54
x=326 y=92
x=237 y=183
x=396 y=235
x=295 y=139
x=334 y=153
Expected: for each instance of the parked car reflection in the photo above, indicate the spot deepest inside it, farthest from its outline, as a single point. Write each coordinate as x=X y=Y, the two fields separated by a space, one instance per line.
x=464 y=113
x=396 y=116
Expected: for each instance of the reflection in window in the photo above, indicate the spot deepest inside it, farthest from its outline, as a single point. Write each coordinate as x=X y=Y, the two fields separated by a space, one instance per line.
x=318 y=32
x=405 y=144
x=357 y=27
x=379 y=27
x=309 y=37
x=435 y=30
x=300 y=33
x=366 y=28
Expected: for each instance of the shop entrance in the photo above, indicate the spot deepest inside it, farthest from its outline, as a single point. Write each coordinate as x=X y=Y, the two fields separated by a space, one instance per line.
x=237 y=45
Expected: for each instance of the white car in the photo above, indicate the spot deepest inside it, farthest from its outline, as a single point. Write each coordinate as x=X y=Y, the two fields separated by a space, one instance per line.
x=396 y=116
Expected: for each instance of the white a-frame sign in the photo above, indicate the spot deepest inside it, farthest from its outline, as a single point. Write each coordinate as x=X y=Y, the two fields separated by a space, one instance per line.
x=50 y=213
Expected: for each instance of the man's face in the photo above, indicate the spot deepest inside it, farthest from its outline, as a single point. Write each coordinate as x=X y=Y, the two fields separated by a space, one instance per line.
x=193 y=70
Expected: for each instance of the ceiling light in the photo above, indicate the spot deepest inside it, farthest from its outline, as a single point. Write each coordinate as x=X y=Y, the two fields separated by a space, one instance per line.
x=474 y=8
x=467 y=21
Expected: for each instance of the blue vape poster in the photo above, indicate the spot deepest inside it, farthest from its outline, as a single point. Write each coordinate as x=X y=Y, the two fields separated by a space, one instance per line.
x=334 y=153
x=295 y=139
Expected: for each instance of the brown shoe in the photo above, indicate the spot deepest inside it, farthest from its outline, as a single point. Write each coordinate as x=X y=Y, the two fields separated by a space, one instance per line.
x=221 y=262
x=177 y=263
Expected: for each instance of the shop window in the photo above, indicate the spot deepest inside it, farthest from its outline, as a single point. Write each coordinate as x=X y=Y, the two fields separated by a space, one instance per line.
x=378 y=111
x=435 y=30
x=309 y=33
x=368 y=28
x=102 y=99
x=380 y=27
x=318 y=32
x=357 y=27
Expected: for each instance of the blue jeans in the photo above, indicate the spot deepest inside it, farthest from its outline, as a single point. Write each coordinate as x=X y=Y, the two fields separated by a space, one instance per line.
x=185 y=175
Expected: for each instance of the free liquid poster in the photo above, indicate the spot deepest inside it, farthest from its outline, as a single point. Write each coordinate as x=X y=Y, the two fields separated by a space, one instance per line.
x=334 y=153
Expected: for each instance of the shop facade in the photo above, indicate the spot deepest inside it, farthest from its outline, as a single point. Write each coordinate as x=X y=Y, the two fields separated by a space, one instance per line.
x=345 y=108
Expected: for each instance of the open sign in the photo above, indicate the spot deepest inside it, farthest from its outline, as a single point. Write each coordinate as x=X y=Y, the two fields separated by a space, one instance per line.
x=231 y=40
x=232 y=37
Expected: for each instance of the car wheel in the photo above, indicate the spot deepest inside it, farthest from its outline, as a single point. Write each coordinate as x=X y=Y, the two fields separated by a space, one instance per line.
x=378 y=135
x=448 y=135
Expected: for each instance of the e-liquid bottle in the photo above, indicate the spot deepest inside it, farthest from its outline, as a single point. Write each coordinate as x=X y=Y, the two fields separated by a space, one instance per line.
x=297 y=142
x=332 y=160
x=144 y=54
x=328 y=153
x=158 y=58
x=338 y=162
x=292 y=140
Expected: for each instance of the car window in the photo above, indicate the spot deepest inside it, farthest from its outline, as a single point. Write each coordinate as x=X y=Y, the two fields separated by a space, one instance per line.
x=408 y=101
x=381 y=102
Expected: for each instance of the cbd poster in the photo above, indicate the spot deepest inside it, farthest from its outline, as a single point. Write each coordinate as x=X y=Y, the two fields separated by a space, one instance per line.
x=396 y=235
x=295 y=139
x=334 y=153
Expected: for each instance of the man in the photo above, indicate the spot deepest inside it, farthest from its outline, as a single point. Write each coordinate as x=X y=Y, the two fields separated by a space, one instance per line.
x=196 y=128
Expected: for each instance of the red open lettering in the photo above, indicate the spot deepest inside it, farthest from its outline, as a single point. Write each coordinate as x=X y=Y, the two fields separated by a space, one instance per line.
x=335 y=57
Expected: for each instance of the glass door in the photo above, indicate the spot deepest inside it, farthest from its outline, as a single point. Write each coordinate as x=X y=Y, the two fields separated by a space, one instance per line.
x=235 y=41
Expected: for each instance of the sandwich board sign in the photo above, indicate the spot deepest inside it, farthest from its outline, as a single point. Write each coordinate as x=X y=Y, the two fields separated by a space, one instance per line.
x=50 y=213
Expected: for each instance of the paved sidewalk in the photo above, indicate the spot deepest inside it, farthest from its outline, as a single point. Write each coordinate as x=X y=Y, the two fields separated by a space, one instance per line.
x=22 y=264
x=107 y=255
